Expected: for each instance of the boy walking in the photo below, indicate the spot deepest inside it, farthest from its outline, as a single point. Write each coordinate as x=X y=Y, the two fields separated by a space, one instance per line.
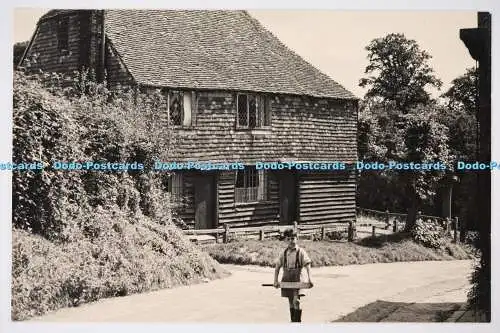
x=293 y=259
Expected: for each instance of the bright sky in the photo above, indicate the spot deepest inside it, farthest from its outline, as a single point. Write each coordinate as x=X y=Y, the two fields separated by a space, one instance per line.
x=334 y=41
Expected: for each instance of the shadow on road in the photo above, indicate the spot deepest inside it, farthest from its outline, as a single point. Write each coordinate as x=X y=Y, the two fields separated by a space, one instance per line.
x=383 y=311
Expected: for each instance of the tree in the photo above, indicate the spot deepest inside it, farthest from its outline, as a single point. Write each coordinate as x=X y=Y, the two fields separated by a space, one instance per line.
x=460 y=115
x=398 y=72
x=378 y=140
x=19 y=51
x=385 y=136
x=425 y=142
x=399 y=121
x=463 y=93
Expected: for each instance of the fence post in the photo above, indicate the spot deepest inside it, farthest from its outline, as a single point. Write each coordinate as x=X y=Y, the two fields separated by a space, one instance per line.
x=373 y=231
x=455 y=230
x=261 y=234
x=446 y=225
x=350 y=232
x=226 y=233
x=395 y=225
x=387 y=222
x=461 y=229
x=323 y=233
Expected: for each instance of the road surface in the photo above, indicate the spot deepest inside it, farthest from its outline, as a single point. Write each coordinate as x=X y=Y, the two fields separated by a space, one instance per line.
x=240 y=298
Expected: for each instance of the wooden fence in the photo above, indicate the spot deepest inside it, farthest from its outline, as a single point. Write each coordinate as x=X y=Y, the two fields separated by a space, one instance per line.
x=320 y=231
x=398 y=221
x=383 y=221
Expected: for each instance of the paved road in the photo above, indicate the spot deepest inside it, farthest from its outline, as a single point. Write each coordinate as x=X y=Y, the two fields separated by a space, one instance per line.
x=241 y=299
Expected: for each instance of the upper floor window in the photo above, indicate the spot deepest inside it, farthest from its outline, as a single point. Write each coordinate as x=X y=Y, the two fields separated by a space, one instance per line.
x=253 y=111
x=180 y=104
x=251 y=185
x=62 y=33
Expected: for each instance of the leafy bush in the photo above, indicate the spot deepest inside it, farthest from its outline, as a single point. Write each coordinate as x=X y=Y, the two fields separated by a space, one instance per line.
x=479 y=296
x=55 y=121
x=429 y=233
x=336 y=235
x=82 y=235
x=471 y=237
x=18 y=51
x=126 y=258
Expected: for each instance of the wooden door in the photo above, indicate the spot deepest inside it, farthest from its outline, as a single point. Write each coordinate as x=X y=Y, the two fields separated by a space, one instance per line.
x=204 y=200
x=288 y=197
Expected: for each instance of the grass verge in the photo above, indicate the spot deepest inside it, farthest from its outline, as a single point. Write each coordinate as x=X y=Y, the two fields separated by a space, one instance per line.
x=382 y=249
x=126 y=259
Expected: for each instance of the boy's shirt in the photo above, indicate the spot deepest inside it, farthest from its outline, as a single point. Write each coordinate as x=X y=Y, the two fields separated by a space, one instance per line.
x=291 y=257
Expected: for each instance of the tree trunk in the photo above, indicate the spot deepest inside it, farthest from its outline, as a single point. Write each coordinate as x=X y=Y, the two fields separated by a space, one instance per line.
x=411 y=218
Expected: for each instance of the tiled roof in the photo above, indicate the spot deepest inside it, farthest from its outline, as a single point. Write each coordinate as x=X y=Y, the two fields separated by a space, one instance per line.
x=201 y=49
x=206 y=49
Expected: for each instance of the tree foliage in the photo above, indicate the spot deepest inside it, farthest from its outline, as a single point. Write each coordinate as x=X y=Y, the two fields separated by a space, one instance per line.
x=388 y=136
x=399 y=122
x=426 y=142
x=19 y=51
x=460 y=115
x=463 y=93
x=82 y=235
x=461 y=118
x=398 y=72
x=74 y=119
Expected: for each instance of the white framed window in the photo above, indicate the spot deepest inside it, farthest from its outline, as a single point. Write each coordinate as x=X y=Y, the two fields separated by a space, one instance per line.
x=253 y=111
x=187 y=108
x=251 y=185
x=180 y=107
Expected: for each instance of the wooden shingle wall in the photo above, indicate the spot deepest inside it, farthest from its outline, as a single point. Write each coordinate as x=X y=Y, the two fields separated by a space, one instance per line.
x=322 y=198
x=234 y=214
x=116 y=71
x=303 y=129
x=44 y=53
x=327 y=197
x=246 y=214
x=84 y=42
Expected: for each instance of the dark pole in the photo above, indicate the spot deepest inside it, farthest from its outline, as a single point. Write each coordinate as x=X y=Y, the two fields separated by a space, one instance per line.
x=478 y=41
x=447 y=194
x=484 y=22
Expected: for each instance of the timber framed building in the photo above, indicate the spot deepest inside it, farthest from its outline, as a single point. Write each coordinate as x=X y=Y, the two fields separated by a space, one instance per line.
x=235 y=94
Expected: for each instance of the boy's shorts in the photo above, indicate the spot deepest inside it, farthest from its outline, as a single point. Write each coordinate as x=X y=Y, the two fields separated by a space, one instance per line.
x=289 y=292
